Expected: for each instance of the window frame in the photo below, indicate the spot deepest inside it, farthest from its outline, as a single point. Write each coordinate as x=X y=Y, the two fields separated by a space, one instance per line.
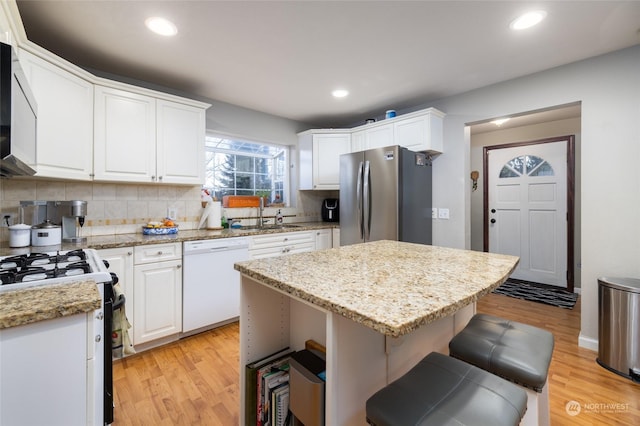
x=284 y=150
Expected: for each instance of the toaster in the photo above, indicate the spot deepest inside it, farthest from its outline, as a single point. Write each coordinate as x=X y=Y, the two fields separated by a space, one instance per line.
x=331 y=210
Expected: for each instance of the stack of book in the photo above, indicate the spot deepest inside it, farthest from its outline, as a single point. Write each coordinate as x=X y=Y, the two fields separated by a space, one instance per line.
x=267 y=390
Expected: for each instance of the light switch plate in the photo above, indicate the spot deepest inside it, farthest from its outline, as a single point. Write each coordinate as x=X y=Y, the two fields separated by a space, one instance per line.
x=172 y=213
x=443 y=213
x=434 y=212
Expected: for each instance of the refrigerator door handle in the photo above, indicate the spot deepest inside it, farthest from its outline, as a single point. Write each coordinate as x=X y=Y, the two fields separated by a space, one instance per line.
x=367 y=201
x=359 y=200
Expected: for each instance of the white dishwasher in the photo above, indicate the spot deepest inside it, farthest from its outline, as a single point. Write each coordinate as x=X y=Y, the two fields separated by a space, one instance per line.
x=210 y=285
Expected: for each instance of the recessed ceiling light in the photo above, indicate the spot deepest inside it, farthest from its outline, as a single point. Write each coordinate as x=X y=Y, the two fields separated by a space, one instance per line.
x=499 y=122
x=528 y=20
x=340 y=93
x=161 y=26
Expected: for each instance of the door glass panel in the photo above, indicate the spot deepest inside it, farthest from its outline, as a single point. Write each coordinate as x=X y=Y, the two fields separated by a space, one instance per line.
x=544 y=169
x=532 y=162
x=526 y=164
x=506 y=172
x=517 y=164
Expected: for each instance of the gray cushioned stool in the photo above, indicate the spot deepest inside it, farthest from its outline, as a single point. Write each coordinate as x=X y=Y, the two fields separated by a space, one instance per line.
x=517 y=352
x=441 y=390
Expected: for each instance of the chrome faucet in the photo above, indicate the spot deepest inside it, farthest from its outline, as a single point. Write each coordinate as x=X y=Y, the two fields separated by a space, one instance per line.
x=261 y=221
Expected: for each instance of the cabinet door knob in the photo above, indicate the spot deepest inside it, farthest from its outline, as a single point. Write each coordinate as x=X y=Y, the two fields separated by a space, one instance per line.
x=100 y=316
x=159 y=177
x=98 y=338
x=160 y=253
x=178 y=266
x=153 y=178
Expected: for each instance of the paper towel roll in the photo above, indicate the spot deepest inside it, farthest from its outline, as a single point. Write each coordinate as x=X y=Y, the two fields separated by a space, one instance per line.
x=215 y=216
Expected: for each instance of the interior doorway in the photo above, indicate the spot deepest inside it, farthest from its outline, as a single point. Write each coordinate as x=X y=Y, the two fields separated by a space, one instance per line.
x=526 y=126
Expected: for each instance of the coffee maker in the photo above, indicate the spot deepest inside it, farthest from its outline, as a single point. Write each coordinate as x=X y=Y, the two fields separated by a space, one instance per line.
x=70 y=215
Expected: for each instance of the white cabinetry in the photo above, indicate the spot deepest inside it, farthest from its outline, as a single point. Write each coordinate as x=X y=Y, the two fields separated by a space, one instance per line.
x=157 y=291
x=125 y=136
x=323 y=239
x=336 y=237
x=379 y=136
x=121 y=263
x=358 y=141
x=45 y=369
x=271 y=245
x=65 y=119
x=420 y=133
x=180 y=143
x=139 y=138
x=320 y=158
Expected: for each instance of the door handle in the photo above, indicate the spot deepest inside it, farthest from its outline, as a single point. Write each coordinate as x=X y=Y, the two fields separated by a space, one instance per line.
x=493 y=221
x=366 y=194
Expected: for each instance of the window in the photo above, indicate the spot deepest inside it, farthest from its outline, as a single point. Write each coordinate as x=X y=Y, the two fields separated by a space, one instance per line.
x=236 y=167
x=526 y=165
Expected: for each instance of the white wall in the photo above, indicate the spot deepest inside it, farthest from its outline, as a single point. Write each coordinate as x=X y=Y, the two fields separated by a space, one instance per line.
x=609 y=89
x=521 y=134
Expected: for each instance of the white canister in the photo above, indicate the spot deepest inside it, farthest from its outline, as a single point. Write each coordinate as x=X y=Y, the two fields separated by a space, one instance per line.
x=46 y=234
x=19 y=235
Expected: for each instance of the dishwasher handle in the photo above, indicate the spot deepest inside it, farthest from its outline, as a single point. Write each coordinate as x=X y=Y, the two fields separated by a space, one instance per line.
x=206 y=246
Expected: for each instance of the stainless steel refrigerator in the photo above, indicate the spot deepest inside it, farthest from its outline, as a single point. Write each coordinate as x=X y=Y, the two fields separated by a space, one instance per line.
x=385 y=194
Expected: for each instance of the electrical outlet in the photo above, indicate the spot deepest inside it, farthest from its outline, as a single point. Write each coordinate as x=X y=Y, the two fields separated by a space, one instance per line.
x=443 y=214
x=7 y=219
x=434 y=212
x=172 y=213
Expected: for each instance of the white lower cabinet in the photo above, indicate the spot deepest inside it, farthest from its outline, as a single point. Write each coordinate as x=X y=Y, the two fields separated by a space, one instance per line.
x=323 y=239
x=157 y=291
x=336 y=237
x=121 y=263
x=45 y=369
x=271 y=245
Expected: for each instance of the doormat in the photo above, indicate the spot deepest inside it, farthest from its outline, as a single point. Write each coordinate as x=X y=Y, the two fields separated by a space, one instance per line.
x=536 y=292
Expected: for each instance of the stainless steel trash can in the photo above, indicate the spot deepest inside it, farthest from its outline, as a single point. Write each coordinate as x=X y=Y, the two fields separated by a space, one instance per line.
x=619 y=326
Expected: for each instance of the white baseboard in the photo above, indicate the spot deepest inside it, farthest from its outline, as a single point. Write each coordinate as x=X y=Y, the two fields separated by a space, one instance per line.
x=588 y=342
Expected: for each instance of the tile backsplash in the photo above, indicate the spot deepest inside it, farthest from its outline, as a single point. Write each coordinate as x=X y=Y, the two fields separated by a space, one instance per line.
x=116 y=208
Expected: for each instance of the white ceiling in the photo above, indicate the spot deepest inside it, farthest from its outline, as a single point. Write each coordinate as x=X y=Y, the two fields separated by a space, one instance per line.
x=285 y=57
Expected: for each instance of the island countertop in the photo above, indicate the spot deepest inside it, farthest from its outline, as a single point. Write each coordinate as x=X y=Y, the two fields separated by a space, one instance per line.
x=392 y=287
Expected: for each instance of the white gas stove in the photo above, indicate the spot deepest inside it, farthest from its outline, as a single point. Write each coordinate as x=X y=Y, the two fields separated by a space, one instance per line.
x=37 y=269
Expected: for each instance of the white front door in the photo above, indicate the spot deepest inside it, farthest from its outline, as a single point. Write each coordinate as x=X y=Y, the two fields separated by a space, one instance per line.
x=527 y=192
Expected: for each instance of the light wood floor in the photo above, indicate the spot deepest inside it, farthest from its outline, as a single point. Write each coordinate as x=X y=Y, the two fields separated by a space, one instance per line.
x=195 y=381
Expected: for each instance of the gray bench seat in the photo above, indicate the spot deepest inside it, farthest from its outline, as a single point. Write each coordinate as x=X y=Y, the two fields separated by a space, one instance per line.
x=512 y=350
x=441 y=390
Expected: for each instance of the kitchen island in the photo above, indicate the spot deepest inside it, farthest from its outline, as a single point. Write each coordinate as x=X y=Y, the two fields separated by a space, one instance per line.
x=377 y=307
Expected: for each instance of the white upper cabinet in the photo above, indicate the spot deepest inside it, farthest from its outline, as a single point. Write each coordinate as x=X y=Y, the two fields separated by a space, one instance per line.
x=140 y=138
x=379 y=136
x=180 y=143
x=65 y=119
x=125 y=136
x=420 y=133
x=320 y=158
x=358 y=141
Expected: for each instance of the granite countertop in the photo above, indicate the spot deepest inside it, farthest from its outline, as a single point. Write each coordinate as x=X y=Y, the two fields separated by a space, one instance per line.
x=26 y=306
x=99 y=242
x=392 y=287
x=33 y=304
